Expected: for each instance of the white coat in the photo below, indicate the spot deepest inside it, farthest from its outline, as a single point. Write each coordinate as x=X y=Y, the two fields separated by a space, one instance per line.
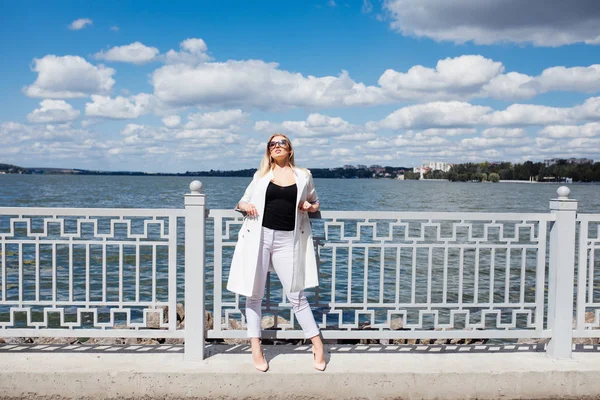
x=245 y=257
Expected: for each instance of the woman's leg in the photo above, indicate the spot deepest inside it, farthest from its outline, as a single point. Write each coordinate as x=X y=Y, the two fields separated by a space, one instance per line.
x=254 y=302
x=306 y=320
x=282 y=257
x=303 y=314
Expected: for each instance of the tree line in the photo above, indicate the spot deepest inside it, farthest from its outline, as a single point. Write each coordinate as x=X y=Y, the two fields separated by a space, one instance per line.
x=485 y=171
x=538 y=171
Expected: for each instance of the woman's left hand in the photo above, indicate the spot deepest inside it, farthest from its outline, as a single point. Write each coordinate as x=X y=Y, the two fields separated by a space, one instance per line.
x=306 y=206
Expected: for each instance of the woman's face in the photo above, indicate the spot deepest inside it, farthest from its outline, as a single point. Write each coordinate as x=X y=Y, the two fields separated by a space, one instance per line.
x=279 y=148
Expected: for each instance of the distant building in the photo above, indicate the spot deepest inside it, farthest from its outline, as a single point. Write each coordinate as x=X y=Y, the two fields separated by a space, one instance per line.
x=377 y=169
x=553 y=161
x=348 y=166
x=439 y=166
x=432 y=166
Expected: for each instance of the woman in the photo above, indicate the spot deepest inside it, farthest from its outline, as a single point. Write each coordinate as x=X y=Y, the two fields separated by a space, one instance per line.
x=276 y=232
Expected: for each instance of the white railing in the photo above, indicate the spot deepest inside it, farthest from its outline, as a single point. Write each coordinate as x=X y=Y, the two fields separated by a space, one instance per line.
x=436 y=275
x=383 y=275
x=88 y=272
x=588 y=277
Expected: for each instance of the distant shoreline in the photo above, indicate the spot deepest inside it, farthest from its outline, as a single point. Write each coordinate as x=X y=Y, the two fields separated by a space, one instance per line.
x=458 y=173
x=329 y=177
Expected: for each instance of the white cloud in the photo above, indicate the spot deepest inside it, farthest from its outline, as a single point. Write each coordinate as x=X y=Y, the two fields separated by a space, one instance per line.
x=357 y=137
x=528 y=114
x=74 y=151
x=503 y=133
x=480 y=142
x=114 y=28
x=446 y=132
x=80 y=24
x=452 y=114
x=459 y=118
x=89 y=122
x=135 y=53
x=193 y=51
x=589 y=110
x=217 y=120
x=11 y=132
x=591 y=129
x=579 y=79
x=69 y=77
x=512 y=85
x=194 y=45
x=589 y=145
x=324 y=123
x=341 y=151
x=145 y=136
x=315 y=125
x=52 y=111
x=172 y=121
x=378 y=143
x=254 y=83
x=144 y=141
x=309 y=141
x=540 y=22
x=470 y=76
x=119 y=107
x=452 y=78
x=190 y=80
x=420 y=140
x=367 y=7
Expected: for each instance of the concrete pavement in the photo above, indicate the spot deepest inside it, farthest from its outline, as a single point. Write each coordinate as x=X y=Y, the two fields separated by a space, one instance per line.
x=229 y=373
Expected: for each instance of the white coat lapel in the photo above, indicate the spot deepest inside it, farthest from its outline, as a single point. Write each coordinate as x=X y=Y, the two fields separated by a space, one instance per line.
x=300 y=184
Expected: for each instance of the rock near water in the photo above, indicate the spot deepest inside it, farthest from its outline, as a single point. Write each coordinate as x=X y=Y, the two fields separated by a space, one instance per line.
x=153 y=321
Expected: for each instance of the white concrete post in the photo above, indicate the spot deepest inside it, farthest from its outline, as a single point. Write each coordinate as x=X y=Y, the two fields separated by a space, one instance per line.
x=561 y=275
x=194 y=273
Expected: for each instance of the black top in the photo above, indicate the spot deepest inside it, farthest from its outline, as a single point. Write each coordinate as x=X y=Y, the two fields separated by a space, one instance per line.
x=280 y=207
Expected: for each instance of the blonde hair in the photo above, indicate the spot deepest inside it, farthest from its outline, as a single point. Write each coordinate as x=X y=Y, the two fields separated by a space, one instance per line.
x=267 y=162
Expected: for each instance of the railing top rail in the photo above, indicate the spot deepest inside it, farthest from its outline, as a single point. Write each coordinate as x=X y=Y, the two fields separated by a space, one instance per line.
x=100 y=212
x=588 y=217
x=420 y=215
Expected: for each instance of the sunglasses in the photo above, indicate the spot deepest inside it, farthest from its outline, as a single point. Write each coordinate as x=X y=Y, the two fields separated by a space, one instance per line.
x=281 y=143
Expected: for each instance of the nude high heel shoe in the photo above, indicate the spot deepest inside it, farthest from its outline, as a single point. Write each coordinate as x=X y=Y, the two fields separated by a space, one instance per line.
x=262 y=367
x=318 y=366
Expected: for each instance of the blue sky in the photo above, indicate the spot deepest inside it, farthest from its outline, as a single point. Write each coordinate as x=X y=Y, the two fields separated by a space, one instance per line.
x=201 y=85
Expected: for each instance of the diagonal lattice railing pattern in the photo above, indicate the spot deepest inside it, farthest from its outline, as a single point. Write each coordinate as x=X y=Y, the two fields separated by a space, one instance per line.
x=383 y=275
x=588 y=277
x=99 y=272
x=431 y=274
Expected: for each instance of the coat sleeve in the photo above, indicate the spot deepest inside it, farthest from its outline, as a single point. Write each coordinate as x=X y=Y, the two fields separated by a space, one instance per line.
x=311 y=192
x=249 y=190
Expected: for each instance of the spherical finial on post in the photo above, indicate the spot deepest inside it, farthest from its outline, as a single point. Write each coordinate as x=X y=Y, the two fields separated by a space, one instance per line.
x=196 y=187
x=563 y=192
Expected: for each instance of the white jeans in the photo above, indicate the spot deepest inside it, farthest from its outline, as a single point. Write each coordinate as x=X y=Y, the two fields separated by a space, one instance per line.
x=277 y=247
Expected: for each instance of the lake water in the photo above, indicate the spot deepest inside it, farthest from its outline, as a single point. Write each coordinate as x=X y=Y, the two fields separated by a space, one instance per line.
x=334 y=194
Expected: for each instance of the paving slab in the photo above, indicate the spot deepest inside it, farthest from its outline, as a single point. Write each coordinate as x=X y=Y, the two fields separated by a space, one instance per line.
x=366 y=374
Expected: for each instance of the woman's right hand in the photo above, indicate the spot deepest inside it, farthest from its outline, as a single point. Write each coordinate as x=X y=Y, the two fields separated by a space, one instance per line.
x=249 y=209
